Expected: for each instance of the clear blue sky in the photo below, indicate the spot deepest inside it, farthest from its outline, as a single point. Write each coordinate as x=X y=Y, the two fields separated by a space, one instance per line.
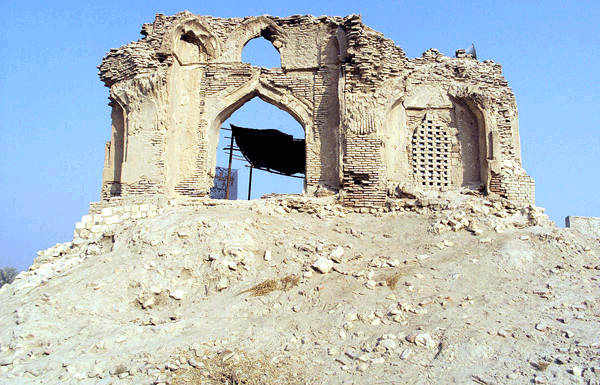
x=55 y=118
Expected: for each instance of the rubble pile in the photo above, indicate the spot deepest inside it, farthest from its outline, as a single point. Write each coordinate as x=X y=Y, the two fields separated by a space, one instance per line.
x=307 y=291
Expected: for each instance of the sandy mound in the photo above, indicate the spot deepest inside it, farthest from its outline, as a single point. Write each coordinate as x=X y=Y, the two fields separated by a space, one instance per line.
x=431 y=290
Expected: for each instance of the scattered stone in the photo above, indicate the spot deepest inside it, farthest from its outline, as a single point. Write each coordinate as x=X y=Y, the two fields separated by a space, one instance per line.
x=405 y=354
x=425 y=340
x=195 y=364
x=147 y=302
x=576 y=371
x=389 y=344
x=337 y=255
x=5 y=361
x=323 y=265
x=222 y=284
x=95 y=372
x=363 y=358
x=177 y=294
x=560 y=360
x=155 y=290
x=393 y=263
x=228 y=263
x=541 y=326
x=541 y=365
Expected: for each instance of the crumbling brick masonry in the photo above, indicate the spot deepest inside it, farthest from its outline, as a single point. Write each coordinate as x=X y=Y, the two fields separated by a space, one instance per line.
x=373 y=118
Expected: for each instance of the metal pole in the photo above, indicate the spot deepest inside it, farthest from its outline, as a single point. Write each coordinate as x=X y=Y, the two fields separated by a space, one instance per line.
x=250 y=183
x=229 y=168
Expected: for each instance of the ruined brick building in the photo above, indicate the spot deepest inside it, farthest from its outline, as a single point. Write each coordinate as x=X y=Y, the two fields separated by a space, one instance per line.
x=373 y=118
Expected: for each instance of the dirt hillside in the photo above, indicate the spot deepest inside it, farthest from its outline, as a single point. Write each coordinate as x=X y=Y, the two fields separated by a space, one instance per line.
x=444 y=289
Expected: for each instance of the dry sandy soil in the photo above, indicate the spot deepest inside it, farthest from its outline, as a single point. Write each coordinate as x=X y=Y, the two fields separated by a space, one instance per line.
x=470 y=292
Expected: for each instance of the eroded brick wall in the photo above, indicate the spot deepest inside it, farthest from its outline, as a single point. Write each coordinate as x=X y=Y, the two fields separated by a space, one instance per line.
x=339 y=79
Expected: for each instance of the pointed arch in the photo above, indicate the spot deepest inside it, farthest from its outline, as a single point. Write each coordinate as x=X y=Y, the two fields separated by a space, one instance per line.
x=255 y=87
x=236 y=99
x=190 y=41
x=427 y=113
x=250 y=29
x=476 y=104
x=259 y=52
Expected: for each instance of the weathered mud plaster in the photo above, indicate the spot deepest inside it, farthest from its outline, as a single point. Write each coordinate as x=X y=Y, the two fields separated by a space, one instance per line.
x=374 y=120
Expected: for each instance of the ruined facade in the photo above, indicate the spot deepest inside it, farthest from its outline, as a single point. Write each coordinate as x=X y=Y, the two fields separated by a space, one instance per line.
x=374 y=119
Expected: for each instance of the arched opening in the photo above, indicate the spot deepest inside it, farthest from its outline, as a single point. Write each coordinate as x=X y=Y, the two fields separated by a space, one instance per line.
x=477 y=132
x=445 y=148
x=471 y=145
x=189 y=48
x=258 y=114
x=260 y=52
x=115 y=152
x=446 y=144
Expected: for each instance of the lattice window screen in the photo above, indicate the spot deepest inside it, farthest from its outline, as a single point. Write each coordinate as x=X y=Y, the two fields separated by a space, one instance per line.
x=431 y=145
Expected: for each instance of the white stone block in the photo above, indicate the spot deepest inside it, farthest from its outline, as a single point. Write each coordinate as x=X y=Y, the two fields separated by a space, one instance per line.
x=323 y=265
x=97 y=229
x=337 y=254
x=87 y=219
x=112 y=220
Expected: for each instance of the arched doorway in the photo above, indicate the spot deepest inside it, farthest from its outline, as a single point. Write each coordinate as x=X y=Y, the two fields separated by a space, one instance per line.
x=257 y=114
x=279 y=105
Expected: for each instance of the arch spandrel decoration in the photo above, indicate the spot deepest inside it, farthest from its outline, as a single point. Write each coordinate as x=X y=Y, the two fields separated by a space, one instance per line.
x=356 y=94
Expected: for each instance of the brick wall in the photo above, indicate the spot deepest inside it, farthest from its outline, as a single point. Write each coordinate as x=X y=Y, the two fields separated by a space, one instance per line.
x=363 y=181
x=373 y=72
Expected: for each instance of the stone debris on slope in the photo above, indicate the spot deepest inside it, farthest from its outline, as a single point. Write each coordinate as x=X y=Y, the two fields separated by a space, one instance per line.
x=152 y=294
